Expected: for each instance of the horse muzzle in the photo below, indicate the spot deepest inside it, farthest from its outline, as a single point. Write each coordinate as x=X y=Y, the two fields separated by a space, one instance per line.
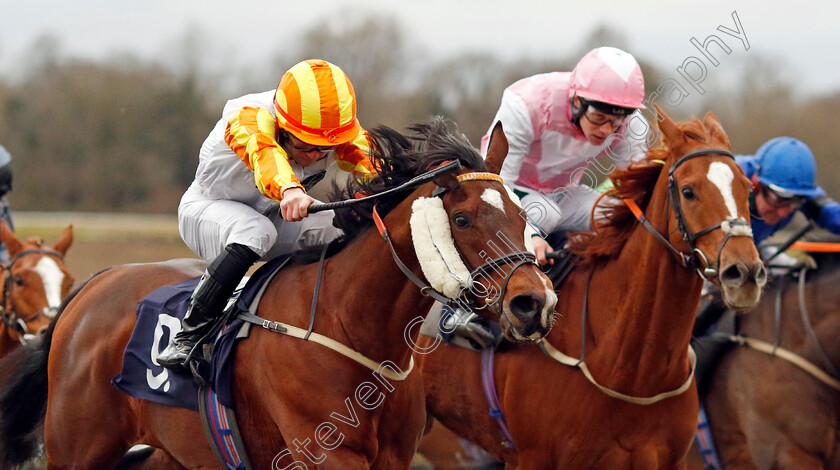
x=742 y=282
x=528 y=316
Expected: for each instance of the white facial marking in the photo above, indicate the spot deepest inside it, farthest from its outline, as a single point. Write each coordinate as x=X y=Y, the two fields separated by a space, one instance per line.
x=494 y=198
x=721 y=176
x=52 y=278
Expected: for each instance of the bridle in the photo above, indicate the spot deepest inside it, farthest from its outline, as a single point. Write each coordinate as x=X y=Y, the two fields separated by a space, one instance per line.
x=507 y=256
x=696 y=258
x=10 y=317
x=516 y=258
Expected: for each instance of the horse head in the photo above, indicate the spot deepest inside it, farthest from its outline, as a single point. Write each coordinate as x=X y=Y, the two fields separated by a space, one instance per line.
x=710 y=201
x=466 y=229
x=488 y=226
x=36 y=279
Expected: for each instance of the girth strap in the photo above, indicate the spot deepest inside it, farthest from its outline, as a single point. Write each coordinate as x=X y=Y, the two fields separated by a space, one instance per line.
x=489 y=387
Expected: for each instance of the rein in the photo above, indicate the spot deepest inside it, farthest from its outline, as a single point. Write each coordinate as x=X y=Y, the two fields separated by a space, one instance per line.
x=516 y=258
x=827 y=375
x=732 y=226
x=9 y=315
x=425 y=289
x=696 y=259
x=558 y=356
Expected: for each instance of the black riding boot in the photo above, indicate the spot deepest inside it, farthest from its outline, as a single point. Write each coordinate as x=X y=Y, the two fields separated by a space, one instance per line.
x=209 y=299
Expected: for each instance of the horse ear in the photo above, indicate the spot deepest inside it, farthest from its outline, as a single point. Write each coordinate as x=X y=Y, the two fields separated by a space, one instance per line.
x=715 y=129
x=9 y=239
x=673 y=135
x=65 y=241
x=497 y=149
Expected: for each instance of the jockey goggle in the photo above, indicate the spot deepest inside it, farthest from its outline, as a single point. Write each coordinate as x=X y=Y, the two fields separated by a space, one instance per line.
x=598 y=119
x=780 y=199
x=303 y=147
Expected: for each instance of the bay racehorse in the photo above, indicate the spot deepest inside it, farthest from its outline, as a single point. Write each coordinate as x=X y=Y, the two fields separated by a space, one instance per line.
x=774 y=401
x=624 y=395
x=289 y=392
x=35 y=280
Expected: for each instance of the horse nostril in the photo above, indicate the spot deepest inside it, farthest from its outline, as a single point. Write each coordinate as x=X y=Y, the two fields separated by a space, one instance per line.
x=760 y=274
x=526 y=307
x=734 y=275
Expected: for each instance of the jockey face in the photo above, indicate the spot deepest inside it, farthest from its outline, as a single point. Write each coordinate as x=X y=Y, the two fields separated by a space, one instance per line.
x=770 y=206
x=598 y=126
x=305 y=154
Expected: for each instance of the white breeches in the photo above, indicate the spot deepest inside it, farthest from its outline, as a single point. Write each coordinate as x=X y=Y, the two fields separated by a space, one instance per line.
x=208 y=225
x=567 y=209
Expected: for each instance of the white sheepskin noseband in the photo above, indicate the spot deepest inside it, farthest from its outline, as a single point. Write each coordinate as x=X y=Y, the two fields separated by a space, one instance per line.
x=439 y=259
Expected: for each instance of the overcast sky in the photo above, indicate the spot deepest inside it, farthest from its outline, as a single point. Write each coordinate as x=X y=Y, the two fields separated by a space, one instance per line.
x=804 y=36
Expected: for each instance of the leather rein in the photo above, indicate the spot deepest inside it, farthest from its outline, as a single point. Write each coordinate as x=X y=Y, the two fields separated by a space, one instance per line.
x=696 y=259
x=517 y=259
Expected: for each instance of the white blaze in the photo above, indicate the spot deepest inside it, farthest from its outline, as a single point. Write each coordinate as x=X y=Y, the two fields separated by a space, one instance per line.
x=720 y=174
x=494 y=198
x=52 y=277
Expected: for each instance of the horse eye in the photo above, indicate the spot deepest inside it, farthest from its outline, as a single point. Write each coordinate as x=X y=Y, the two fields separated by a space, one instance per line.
x=688 y=193
x=18 y=280
x=461 y=220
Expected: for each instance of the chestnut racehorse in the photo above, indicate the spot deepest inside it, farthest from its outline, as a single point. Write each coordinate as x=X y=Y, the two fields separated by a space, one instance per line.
x=767 y=411
x=631 y=403
x=35 y=280
x=289 y=392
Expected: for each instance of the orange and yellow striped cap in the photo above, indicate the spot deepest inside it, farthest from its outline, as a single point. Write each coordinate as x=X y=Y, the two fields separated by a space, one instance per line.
x=315 y=102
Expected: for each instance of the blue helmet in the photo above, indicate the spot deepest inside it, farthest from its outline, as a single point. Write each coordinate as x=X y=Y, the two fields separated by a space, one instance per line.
x=787 y=166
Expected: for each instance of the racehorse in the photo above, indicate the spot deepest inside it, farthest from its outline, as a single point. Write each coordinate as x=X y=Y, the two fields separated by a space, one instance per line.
x=289 y=391
x=35 y=280
x=624 y=395
x=774 y=401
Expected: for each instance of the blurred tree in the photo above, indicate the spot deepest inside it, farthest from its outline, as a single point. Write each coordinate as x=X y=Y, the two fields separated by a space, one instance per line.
x=114 y=136
x=123 y=134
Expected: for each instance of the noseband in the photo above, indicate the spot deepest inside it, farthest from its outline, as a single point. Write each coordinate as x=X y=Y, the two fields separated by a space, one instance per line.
x=10 y=316
x=513 y=257
x=696 y=259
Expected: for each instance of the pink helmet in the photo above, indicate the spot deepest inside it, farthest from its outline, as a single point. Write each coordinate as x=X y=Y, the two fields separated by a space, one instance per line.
x=609 y=75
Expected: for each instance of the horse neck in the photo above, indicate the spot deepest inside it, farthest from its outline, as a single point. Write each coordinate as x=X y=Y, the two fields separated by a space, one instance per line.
x=641 y=309
x=382 y=301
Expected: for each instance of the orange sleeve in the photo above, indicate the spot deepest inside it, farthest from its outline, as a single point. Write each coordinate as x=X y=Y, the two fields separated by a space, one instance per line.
x=252 y=134
x=354 y=156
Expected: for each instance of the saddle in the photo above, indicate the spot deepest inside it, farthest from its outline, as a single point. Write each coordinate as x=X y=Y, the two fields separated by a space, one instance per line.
x=159 y=318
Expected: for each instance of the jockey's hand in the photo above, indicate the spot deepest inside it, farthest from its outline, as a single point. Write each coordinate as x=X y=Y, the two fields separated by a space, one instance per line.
x=541 y=247
x=295 y=205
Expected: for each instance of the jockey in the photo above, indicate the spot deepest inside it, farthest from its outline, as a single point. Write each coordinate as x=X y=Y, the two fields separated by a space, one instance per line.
x=557 y=124
x=249 y=199
x=783 y=173
x=5 y=188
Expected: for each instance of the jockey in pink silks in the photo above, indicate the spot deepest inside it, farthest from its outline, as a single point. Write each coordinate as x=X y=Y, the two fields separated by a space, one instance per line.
x=558 y=124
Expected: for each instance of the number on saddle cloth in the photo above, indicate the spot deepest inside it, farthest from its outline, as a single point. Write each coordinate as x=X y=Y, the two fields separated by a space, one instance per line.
x=159 y=318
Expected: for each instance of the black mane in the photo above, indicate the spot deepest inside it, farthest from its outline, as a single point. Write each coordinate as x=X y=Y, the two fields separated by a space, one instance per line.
x=396 y=159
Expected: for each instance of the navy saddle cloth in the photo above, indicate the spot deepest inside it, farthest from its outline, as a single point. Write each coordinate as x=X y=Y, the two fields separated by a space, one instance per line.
x=159 y=319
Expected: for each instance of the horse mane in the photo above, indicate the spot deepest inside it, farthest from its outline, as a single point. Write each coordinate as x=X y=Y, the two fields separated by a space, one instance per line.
x=398 y=158
x=636 y=182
